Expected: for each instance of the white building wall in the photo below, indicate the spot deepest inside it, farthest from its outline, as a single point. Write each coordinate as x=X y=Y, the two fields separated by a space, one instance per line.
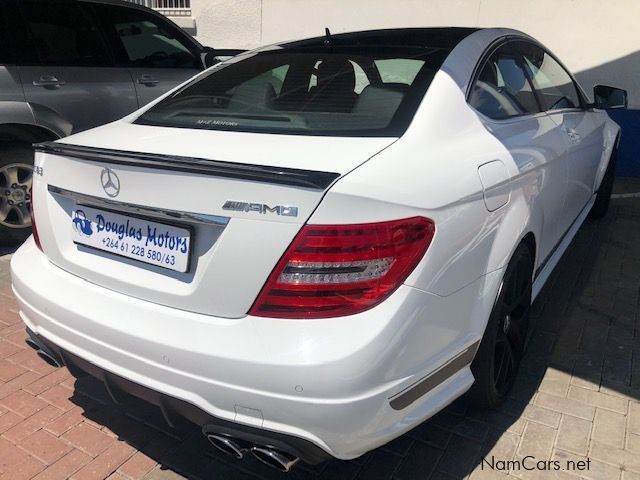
x=228 y=23
x=598 y=40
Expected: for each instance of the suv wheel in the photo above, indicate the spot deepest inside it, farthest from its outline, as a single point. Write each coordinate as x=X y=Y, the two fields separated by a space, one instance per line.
x=16 y=174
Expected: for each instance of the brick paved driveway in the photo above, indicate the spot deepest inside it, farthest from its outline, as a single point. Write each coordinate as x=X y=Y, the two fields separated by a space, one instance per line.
x=577 y=395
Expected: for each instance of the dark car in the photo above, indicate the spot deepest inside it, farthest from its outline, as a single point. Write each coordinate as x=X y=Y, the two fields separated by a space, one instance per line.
x=70 y=65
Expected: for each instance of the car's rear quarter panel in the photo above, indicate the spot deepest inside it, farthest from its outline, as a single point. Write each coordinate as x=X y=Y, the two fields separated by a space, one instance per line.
x=432 y=171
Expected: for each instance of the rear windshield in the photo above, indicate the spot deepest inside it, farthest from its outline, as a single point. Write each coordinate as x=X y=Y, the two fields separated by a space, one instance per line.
x=338 y=91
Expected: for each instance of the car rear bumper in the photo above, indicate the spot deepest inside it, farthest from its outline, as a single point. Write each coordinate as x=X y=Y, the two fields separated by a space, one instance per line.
x=172 y=408
x=323 y=387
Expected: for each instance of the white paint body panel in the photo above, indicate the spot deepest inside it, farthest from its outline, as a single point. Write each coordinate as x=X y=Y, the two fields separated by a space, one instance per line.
x=486 y=185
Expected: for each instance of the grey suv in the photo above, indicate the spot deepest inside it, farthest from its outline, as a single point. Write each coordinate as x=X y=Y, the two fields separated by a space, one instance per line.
x=69 y=65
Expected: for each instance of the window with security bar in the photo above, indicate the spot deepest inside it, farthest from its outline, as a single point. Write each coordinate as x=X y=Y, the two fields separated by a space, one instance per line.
x=168 y=7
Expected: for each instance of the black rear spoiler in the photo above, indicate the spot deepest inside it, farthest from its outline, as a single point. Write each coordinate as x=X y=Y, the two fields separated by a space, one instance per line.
x=294 y=177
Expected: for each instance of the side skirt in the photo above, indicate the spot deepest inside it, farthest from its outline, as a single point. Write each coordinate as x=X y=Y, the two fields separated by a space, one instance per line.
x=542 y=275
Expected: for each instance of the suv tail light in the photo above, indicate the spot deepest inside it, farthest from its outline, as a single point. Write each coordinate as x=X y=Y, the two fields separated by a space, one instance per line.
x=336 y=270
x=34 y=229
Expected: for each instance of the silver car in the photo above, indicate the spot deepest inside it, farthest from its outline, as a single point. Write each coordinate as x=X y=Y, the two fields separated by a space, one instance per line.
x=66 y=66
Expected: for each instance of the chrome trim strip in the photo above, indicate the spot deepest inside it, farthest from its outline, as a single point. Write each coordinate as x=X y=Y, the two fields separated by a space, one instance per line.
x=428 y=383
x=174 y=215
x=256 y=173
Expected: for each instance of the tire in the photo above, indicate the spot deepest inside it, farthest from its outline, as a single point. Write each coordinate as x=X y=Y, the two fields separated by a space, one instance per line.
x=601 y=204
x=16 y=174
x=496 y=363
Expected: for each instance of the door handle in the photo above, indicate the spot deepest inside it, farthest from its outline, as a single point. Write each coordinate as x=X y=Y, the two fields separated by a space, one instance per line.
x=147 y=80
x=48 y=81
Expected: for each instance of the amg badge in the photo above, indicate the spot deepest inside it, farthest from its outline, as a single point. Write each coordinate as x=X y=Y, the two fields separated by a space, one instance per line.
x=282 y=210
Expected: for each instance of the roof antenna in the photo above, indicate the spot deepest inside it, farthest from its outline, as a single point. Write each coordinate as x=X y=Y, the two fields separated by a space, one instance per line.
x=327 y=36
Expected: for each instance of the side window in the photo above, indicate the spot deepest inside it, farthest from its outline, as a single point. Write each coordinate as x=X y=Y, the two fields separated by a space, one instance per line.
x=277 y=76
x=398 y=70
x=271 y=80
x=362 y=80
x=63 y=35
x=330 y=72
x=554 y=85
x=143 y=40
x=313 y=79
x=502 y=89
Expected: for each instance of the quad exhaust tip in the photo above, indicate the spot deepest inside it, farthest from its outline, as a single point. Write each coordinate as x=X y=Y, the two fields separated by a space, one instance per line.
x=227 y=445
x=43 y=354
x=268 y=455
x=48 y=358
x=275 y=458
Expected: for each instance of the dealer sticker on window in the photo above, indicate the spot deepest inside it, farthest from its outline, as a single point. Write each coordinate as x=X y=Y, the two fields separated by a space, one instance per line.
x=150 y=242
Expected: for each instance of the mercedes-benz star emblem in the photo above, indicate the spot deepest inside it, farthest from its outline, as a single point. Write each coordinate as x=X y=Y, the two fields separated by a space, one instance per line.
x=110 y=182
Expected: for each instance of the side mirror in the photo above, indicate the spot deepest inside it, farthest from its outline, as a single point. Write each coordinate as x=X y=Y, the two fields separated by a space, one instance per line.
x=609 y=97
x=213 y=56
x=210 y=58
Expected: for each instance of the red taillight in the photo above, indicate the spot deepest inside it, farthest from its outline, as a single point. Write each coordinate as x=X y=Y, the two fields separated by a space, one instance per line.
x=34 y=229
x=336 y=270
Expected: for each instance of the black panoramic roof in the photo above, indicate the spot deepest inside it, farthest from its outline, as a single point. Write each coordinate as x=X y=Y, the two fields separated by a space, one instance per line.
x=442 y=37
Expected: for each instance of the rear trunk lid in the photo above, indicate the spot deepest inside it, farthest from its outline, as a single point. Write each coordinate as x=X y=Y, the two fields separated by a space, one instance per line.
x=242 y=197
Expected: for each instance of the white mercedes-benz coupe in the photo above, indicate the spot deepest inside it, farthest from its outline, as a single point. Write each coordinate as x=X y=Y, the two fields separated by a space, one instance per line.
x=314 y=246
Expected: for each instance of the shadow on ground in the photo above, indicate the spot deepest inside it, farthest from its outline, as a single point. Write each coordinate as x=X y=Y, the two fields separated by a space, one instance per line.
x=581 y=359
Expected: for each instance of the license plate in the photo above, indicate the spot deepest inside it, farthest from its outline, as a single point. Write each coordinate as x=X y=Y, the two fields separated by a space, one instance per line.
x=132 y=237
